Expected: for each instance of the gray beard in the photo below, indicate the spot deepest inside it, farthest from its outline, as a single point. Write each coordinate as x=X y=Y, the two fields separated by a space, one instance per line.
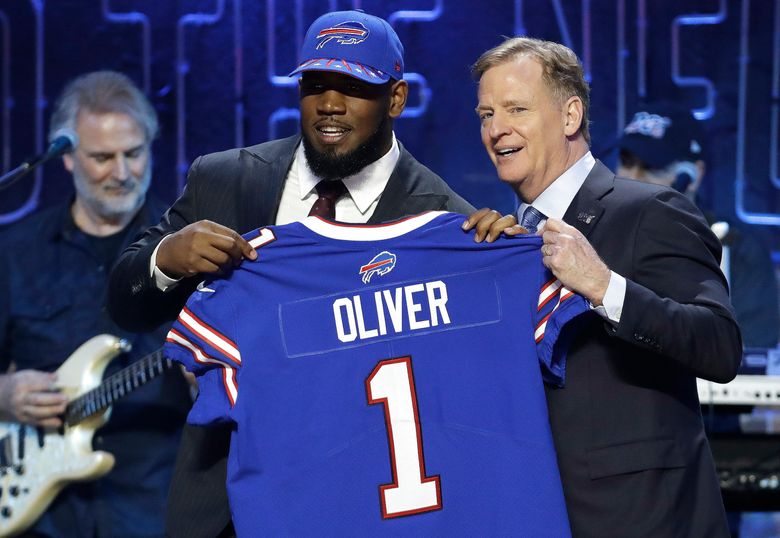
x=112 y=209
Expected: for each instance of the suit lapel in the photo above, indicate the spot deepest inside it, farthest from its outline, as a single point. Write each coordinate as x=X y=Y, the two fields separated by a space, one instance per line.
x=586 y=208
x=405 y=193
x=262 y=178
x=263 y=174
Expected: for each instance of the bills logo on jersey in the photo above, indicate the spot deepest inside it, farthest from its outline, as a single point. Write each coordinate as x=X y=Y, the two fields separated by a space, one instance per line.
x=381 y=264
x=346 y=33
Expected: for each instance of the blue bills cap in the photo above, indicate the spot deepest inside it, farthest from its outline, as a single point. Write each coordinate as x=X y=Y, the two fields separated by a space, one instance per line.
x=355 y=44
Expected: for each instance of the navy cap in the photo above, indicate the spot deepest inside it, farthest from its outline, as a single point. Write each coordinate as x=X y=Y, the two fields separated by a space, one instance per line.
x=662 y=133
x=355 y=44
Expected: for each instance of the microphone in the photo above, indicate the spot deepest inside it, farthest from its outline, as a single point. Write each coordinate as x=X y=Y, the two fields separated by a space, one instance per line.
x=685 y=173
x=62 y=141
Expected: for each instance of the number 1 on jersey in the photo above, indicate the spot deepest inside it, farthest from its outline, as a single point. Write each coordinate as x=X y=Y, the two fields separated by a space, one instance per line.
x=391 y=383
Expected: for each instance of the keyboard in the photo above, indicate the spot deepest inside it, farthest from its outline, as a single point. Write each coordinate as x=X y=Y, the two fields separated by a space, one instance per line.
x=743 y=390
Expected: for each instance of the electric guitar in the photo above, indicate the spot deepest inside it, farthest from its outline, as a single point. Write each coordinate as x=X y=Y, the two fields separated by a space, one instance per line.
x=36 y=463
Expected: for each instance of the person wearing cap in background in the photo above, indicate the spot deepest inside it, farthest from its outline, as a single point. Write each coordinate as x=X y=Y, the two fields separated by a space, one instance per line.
x=662 y=144
x=345 y=164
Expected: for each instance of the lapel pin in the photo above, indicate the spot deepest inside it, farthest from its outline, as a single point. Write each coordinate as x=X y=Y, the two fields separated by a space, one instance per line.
x=585 y=217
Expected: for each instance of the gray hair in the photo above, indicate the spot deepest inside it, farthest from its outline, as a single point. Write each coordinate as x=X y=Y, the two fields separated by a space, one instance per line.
x=561 y=69
x=102 y=92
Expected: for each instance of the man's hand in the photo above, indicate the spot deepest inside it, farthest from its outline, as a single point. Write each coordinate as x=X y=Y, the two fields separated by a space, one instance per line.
x=202 y=247
x=490 y=225
x=31 y=396
x=573 y=261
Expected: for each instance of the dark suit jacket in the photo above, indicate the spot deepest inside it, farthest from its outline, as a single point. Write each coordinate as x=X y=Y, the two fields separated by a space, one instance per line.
x=241 y=189
x=627 y=426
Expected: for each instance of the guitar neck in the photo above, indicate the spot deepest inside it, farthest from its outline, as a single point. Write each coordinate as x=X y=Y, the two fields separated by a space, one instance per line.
x=116 y=386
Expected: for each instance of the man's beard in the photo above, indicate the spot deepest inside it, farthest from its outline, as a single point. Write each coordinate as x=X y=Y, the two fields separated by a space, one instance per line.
x=328 y=165
x=109 y=207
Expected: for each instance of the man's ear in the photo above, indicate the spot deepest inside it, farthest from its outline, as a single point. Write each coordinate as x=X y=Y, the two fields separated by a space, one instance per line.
x=399 y=91
x=573 y=113
x=67 y=161
x=701 y=168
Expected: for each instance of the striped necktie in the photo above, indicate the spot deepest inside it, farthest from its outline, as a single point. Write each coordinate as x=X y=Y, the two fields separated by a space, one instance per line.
x=531 y=218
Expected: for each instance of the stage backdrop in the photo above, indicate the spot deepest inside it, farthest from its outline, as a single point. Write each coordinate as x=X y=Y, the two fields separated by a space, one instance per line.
x=216 y=72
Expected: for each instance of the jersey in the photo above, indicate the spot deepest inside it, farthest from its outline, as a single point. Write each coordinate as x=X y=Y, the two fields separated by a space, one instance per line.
x=383 y=380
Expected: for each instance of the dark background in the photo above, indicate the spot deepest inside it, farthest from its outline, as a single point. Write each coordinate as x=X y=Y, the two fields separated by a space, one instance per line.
x=215 y=71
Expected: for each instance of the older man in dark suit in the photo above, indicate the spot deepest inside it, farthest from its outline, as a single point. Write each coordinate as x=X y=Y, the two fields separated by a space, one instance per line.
x=627 y=426
x=346 y=164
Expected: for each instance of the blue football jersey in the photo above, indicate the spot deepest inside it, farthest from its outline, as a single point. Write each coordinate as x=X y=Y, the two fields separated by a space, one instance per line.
x=383 y=380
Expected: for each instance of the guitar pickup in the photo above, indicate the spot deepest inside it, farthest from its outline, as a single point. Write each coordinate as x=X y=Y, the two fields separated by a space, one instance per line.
x=21 y=438
x=5 y=452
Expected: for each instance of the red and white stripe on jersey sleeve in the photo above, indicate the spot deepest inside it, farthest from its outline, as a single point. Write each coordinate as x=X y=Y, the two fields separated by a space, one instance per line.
x=548 y=293
x=228 y=372
x=209 y=334
x=551 y=291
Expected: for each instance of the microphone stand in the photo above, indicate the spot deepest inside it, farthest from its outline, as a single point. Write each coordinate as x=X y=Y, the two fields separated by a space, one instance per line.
x=11 y=177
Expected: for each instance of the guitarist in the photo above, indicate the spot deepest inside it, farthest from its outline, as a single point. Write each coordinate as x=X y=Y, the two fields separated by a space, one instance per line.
x=52 y=291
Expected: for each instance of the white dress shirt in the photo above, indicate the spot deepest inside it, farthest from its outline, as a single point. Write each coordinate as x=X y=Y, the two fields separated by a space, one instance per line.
x=298 y=195
x=364 y=189
x=554 y=201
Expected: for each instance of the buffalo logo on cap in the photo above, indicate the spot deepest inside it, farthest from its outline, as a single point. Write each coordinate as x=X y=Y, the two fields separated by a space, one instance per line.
x=648 y=124
x=346 y=33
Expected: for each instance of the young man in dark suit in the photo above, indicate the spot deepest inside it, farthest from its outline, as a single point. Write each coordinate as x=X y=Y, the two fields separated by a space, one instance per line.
x=351 y=91
x=627 y=427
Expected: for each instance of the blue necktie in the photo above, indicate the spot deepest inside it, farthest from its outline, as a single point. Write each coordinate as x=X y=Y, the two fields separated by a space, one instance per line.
x=531 y=218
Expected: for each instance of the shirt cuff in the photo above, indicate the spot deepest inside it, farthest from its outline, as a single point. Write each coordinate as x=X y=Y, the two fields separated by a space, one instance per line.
x=612 y=305
x=161 y=280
